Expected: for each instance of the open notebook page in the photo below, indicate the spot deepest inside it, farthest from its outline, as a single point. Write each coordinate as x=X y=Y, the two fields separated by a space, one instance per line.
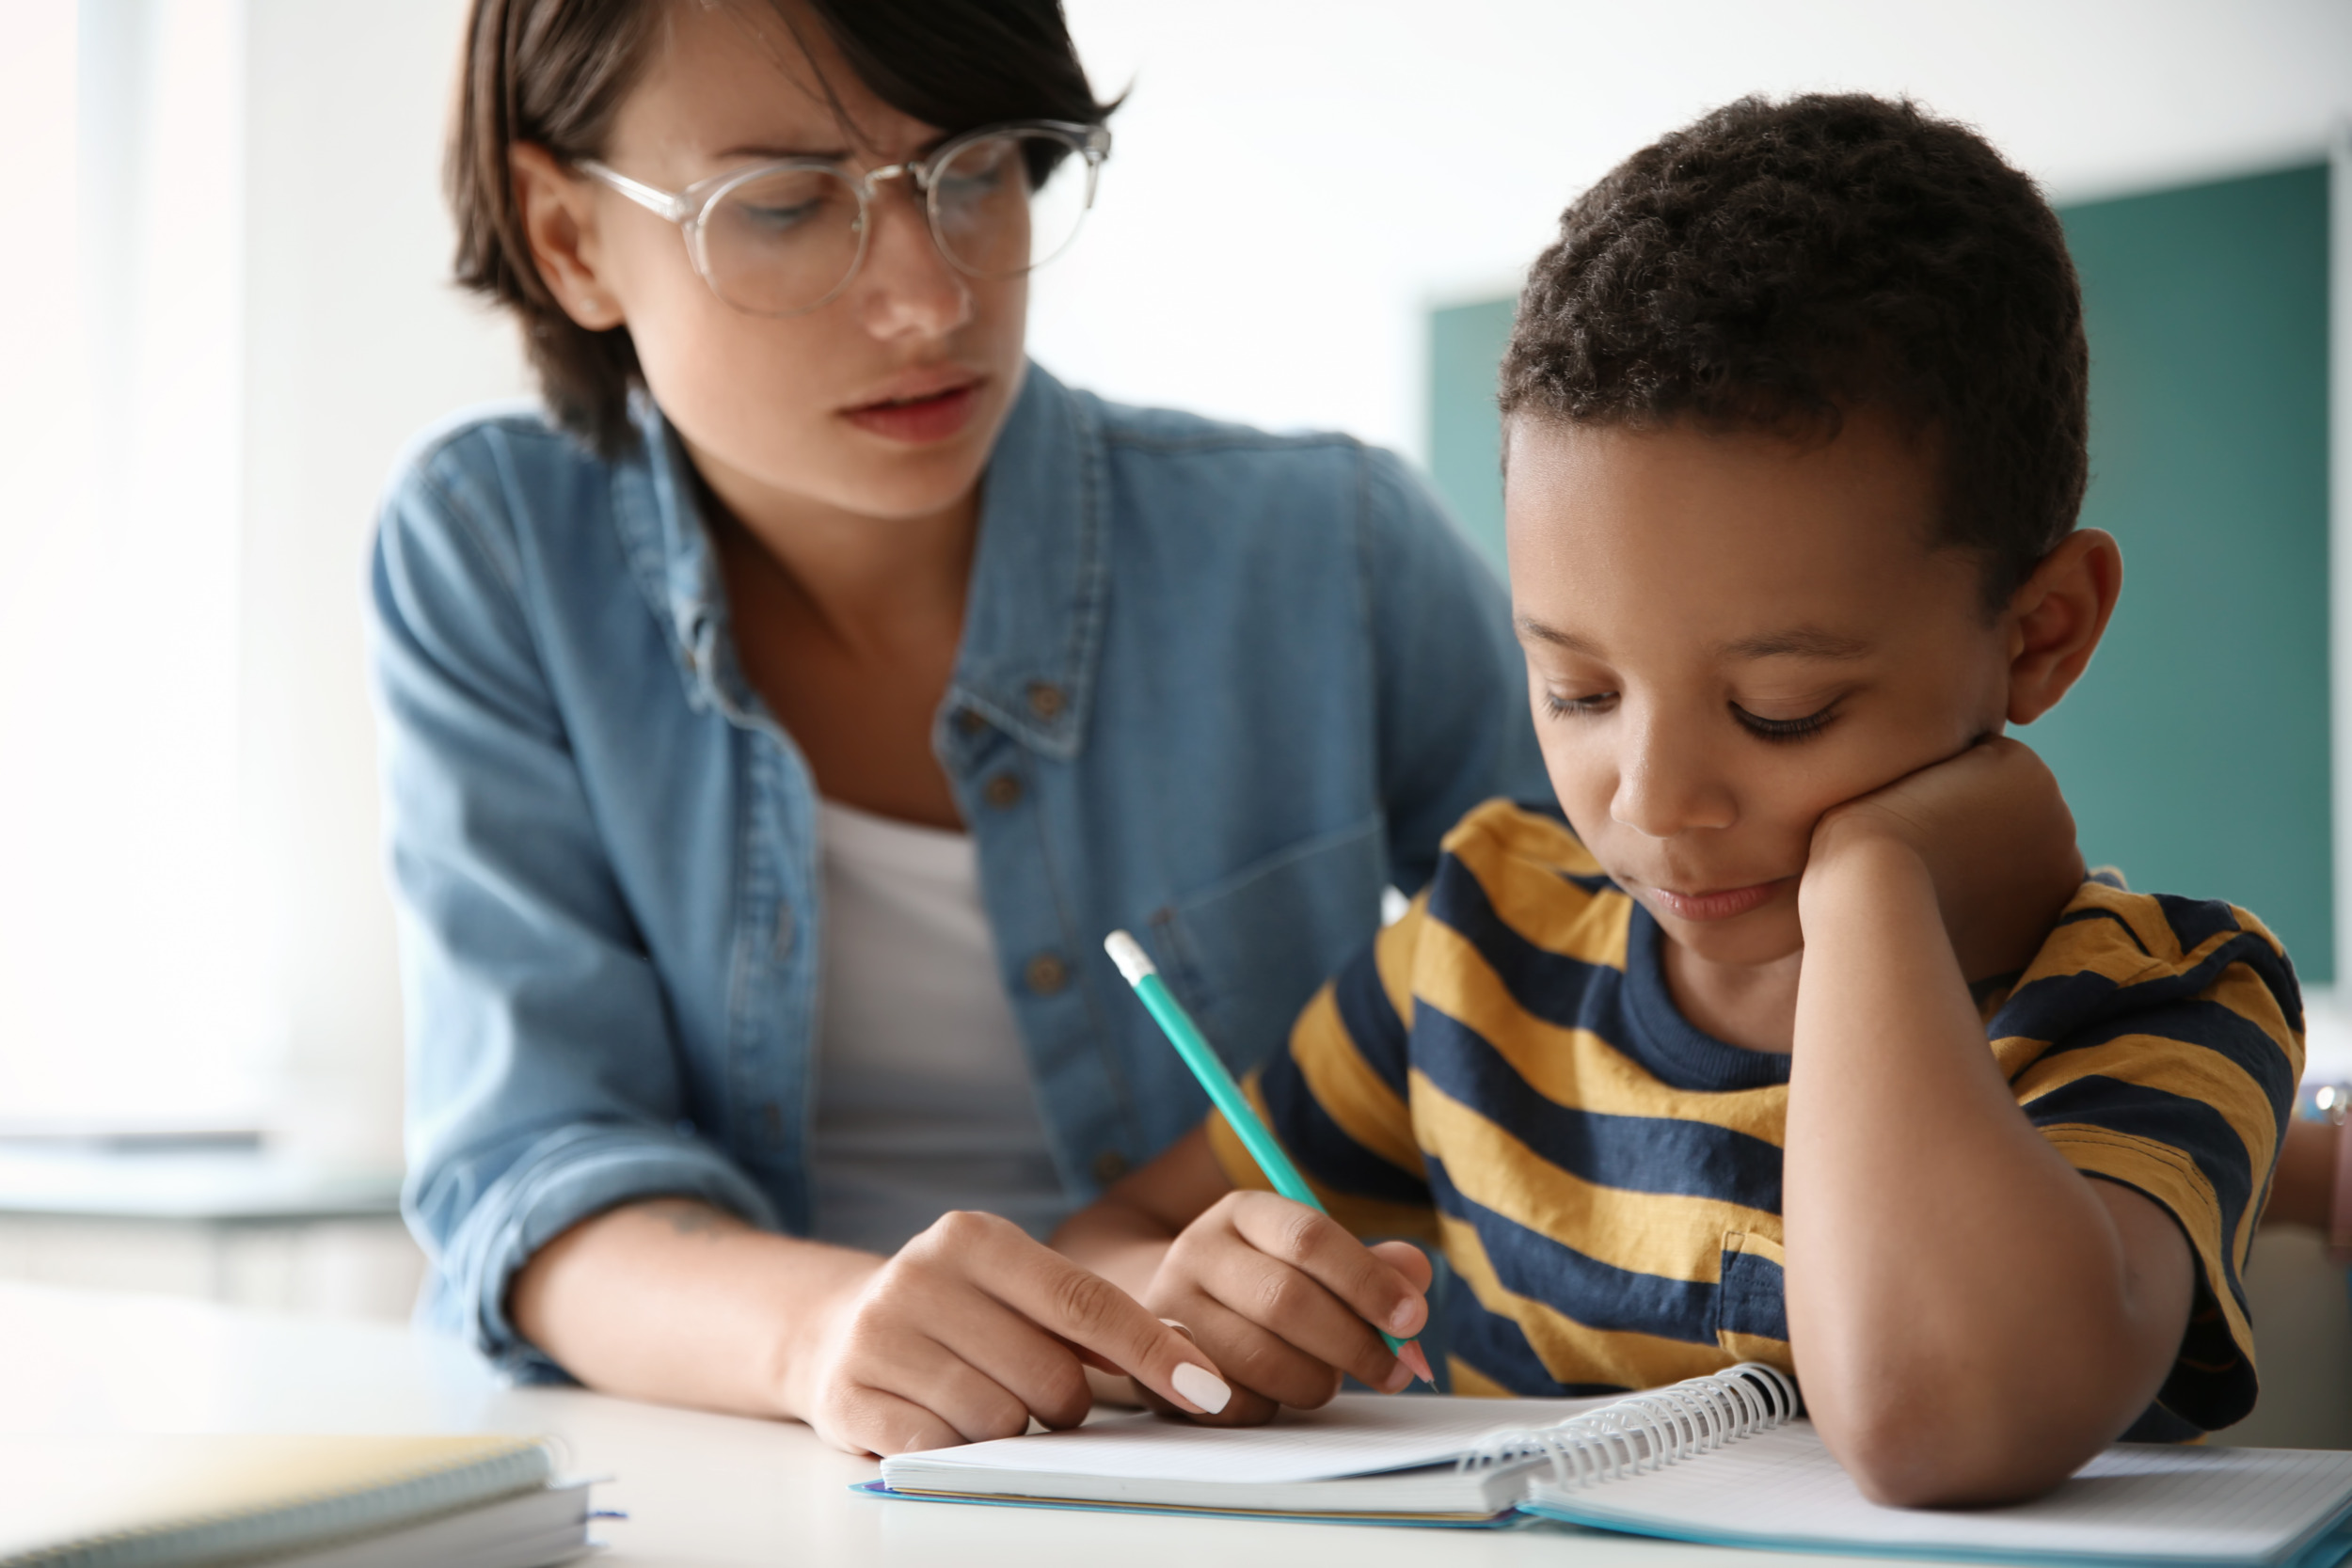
x=2135 y=1501
x=1355 y=1434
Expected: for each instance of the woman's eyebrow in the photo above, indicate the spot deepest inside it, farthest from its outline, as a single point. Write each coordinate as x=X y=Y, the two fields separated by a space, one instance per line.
x=1798 y=642
x=777 y=154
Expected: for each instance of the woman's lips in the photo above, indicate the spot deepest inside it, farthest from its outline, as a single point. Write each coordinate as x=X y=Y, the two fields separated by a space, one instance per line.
x=1722 y=905
x=918 y=421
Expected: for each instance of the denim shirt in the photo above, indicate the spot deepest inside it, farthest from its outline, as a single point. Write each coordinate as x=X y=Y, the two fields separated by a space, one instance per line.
x=1217 y=687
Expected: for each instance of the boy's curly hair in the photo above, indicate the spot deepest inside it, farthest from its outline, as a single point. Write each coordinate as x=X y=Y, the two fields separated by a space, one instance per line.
x=1775 y=263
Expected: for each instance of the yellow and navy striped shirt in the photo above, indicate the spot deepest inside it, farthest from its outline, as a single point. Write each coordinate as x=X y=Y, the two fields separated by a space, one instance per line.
x=1502 y=1073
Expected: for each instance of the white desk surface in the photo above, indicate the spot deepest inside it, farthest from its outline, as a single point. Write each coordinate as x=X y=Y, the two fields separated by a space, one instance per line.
x=701 y=1491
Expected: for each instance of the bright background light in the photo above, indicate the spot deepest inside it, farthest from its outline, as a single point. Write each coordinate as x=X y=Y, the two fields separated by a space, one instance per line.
x=225 y=260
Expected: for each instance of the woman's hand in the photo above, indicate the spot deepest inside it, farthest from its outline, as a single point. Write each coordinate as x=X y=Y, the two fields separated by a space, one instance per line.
x=971 y=1330
x=1285 y=1299
x=974 y=1328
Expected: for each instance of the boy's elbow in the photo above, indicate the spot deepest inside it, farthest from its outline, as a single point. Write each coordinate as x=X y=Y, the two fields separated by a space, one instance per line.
x=1922 y=1452
x=1909 y=1470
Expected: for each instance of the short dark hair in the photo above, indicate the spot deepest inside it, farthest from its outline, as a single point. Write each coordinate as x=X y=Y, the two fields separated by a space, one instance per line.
x=1773 y=263
x=556 y=71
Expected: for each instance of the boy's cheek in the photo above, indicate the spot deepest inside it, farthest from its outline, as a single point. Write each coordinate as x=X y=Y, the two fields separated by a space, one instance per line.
x=1583 y=789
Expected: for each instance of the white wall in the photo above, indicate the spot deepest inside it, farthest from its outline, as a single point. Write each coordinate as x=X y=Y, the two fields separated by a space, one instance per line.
x=1294 y=183
x=119 y=258
x=354 y=340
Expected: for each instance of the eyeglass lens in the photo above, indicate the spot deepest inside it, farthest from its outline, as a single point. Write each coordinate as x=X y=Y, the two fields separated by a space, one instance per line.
x=786 y=242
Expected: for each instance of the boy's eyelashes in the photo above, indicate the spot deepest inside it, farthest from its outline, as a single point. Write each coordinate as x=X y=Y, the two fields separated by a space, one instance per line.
x=1754 y=724
x=1785 y=729
x=1563 y=708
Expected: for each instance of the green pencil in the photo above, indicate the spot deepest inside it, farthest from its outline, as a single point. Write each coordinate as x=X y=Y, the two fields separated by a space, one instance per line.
x=1208 y=1067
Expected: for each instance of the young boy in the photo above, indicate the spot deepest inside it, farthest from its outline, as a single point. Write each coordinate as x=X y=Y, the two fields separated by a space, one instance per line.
x=1794 y=430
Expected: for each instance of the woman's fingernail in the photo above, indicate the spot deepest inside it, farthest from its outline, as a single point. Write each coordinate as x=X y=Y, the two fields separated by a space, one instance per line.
x=1397 y=1379
x=1403 y=1316
x=1201 y=1386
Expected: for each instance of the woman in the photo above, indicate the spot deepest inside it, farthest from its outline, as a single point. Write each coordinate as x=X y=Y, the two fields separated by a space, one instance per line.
x=776 y=722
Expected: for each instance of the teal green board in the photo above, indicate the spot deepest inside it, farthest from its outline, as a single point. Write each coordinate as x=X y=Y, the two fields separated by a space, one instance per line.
x=1465 y=343
x=2196 y=748
x=2194 y=752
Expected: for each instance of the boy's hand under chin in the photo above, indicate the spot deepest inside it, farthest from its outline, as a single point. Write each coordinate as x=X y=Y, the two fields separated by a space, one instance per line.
x=1995 y=836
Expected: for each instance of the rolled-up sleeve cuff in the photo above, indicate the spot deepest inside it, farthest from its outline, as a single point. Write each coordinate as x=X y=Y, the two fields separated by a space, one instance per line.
x=561 y=1181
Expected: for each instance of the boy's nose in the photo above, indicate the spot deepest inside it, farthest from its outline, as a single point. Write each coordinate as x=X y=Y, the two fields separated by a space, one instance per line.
x=1665 y=785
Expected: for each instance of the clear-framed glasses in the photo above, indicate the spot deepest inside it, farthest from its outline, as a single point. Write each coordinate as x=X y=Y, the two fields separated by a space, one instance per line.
x=780 y=239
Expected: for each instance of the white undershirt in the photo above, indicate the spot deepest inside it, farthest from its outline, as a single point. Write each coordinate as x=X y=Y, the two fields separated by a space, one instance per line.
x=924 y=1099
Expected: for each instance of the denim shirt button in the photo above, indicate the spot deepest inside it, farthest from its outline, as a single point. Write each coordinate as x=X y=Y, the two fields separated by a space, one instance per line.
x=1045 y=973
x=970 y=722
x=1109 y=1166
x=1002 y=791
x=1046 y=700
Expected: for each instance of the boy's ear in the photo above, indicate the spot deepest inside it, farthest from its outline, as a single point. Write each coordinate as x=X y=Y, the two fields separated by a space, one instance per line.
x=559 y=220
x=2057 y=618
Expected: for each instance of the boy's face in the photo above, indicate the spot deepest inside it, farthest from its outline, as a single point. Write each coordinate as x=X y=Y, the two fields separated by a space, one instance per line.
x=1727 y=635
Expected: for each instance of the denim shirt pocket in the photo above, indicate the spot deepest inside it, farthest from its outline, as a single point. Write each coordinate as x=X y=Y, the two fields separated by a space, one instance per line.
x=1247 y=952
x=1750 y=1300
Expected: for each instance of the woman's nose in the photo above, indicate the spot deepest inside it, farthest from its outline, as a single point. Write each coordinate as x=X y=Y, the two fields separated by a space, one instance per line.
x=1666 y=785
x=906 y=288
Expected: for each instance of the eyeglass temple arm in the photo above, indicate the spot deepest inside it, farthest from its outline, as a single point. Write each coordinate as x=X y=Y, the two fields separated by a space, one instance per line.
x=652 y=198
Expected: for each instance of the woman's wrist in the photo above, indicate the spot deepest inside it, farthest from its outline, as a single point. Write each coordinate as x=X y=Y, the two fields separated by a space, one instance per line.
x=2313 y=1181
x=816 y=1291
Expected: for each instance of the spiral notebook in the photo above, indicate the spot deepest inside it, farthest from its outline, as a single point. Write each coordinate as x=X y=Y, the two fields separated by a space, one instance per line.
x=1723 y=1460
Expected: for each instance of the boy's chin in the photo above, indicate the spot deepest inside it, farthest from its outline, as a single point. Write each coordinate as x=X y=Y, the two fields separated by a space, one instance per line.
x=1765 y=936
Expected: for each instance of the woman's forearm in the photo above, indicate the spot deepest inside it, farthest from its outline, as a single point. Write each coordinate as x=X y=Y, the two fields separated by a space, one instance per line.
x=970 y=1331
x=675 y=1300
x=1969 y=1318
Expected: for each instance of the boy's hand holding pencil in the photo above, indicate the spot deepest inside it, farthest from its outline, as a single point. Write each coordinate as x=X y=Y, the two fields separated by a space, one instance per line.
x=1284 y=1301
x=1278 y=1293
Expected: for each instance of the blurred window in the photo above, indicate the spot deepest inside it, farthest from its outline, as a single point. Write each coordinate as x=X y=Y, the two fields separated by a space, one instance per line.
x=121 y=990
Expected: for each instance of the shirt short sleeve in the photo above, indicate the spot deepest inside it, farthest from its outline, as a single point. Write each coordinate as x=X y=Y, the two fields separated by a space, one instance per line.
x=1336 y=1099
x=2175 y=1039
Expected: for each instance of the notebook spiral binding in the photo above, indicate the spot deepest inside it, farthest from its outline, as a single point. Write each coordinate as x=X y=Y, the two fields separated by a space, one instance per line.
x=1643 y=1432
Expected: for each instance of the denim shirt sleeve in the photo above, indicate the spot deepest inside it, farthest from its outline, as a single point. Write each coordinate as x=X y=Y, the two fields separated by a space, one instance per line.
x=1441 y=635
x=543 y=1084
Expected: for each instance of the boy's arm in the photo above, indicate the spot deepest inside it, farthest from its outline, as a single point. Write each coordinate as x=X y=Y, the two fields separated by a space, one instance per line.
x=1972 y=1317
x=1283 y=1298
x=1124 y=1235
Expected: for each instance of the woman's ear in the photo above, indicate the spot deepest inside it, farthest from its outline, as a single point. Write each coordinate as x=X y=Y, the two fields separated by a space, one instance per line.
x=559 y=220
x=2057 y=618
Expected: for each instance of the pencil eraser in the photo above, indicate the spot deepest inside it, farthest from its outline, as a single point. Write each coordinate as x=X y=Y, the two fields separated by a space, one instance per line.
x=1128 y=954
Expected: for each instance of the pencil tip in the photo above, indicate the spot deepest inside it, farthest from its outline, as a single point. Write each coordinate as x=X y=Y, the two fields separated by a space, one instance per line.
x=1412 y=1355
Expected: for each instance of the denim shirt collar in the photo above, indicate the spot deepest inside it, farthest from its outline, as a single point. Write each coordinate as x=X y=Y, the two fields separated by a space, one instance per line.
x=1033 y=618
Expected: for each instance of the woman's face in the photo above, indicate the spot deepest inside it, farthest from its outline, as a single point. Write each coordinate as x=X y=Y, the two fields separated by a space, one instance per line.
x=883 y=402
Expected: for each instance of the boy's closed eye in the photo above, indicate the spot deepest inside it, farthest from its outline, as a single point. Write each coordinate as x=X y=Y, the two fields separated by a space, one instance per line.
x=1775 y=720
x=1800 y=728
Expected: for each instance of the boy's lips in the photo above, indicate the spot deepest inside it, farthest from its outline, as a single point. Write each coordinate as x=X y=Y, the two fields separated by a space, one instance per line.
x=1720 y=904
